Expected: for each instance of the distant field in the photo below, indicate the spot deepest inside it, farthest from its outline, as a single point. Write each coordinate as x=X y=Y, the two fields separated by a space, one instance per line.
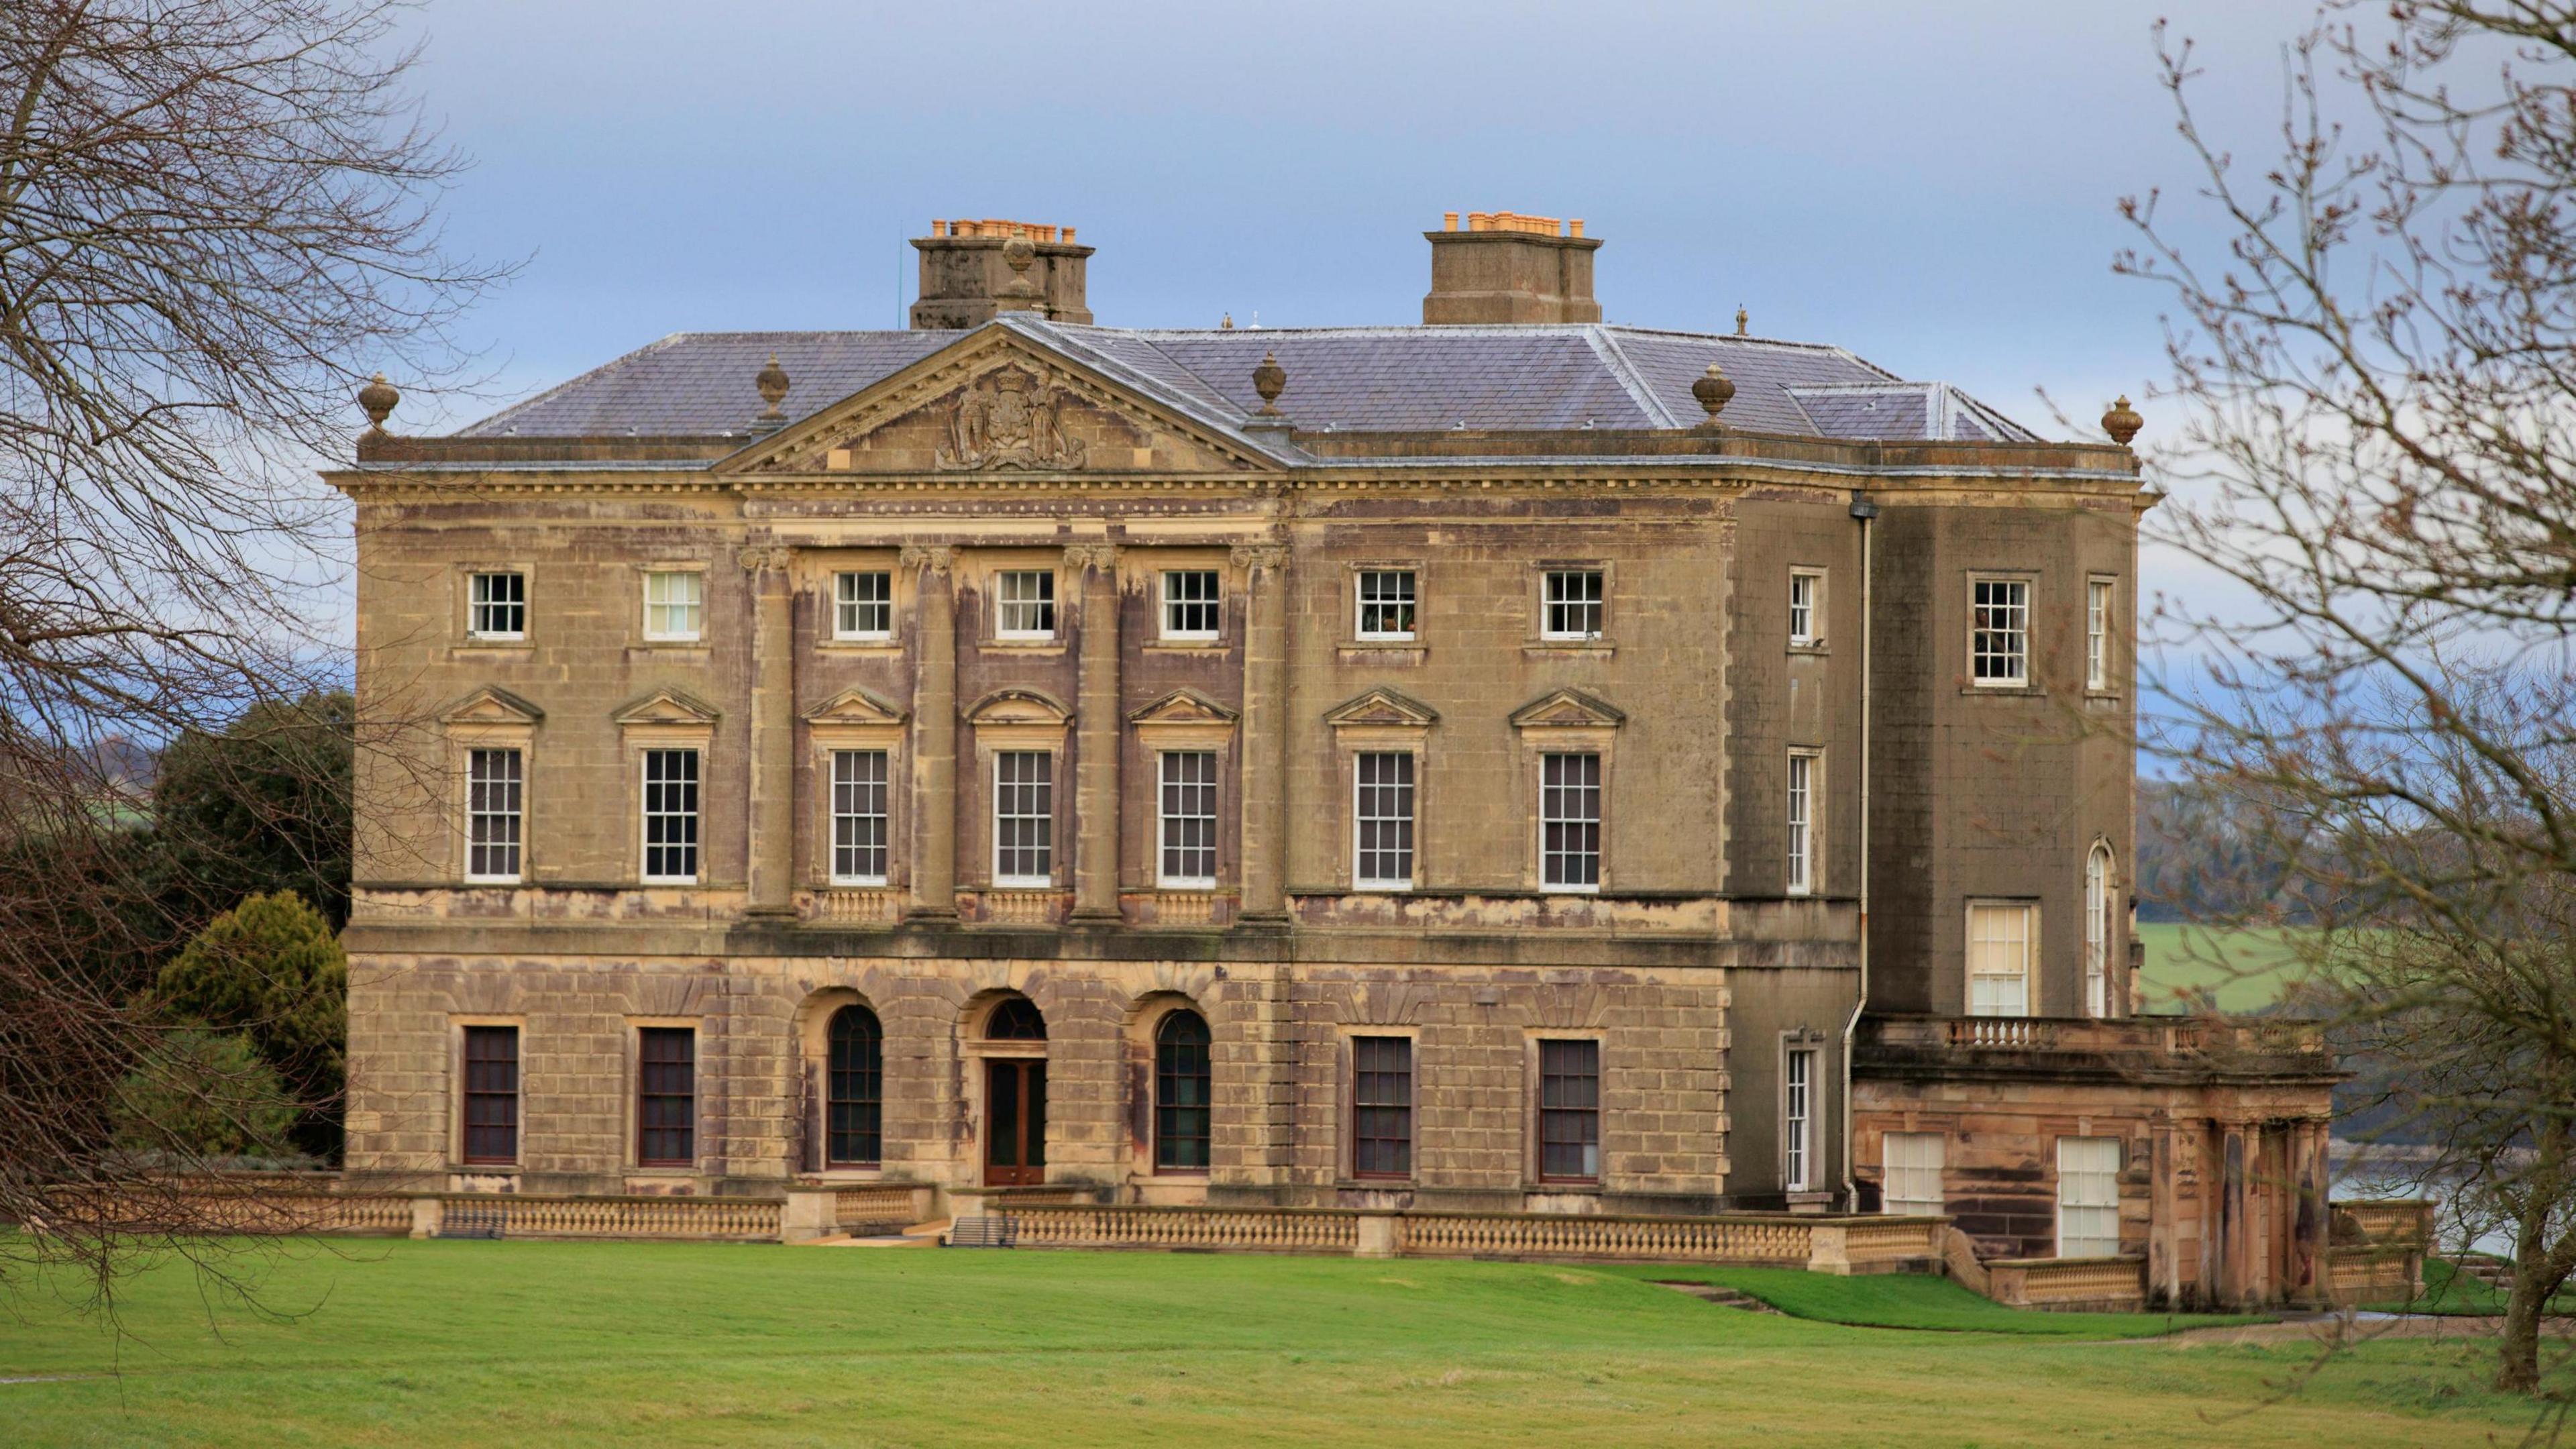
x=626 y=1345
x=2245 y=970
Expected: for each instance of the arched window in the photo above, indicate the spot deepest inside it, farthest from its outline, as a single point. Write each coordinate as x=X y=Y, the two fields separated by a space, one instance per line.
x=1181 y=1093
x=854 y=1089
x=1016 y=1019
x=2097 y=931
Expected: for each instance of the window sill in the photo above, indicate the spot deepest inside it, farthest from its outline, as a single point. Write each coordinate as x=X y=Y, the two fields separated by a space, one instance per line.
x=1024 y=641
x=1562 y=1185
x=520 y=645
x=1022 y=883
x=666 y=880
x=1569 y=648
x=486 y=1168
x=2003 y=691
x=1380 y=888
x=1188 y=887
x=675 y=649
x=1815 y=647
x=849 y=1172
x=858 y=883
x=882 y=644
x=1569 y=890
x=494 y=880
x=663 y=1169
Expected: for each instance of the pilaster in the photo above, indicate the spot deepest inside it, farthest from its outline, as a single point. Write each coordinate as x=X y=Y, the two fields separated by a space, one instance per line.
x=934 y=732
x=1095 y=793
x=771 y=849
x=1265 y=731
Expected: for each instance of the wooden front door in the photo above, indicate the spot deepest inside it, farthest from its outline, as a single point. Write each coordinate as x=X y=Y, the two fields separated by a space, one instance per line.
x=1014 y=1122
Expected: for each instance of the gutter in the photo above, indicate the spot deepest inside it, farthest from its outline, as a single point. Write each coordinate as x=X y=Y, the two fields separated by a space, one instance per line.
x=1863 y=510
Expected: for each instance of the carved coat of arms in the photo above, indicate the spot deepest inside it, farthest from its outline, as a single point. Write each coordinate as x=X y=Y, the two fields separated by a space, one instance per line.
x=1009 y=418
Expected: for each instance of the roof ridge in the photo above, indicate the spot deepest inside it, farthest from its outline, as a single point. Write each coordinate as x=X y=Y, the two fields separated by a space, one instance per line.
x=1606 y=347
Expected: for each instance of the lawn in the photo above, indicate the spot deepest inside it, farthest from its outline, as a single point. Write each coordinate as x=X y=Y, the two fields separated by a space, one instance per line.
x=630 y=1344
x=2246 y=970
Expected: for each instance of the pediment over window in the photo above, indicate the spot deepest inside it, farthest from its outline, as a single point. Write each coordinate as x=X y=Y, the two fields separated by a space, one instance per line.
x=668 y=707
x=854 y=706
x=492 y=706
x=1183 y=707
x=1018 y=707
x=1383 y=707
x=1567 y=709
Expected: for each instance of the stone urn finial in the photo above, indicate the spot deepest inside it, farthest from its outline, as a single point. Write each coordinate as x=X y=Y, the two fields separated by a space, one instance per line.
x=2122 y=422
x=1019 y=254
x=378 y=397
x=773 y=385
x=1743 y=319
x=1270 y=380
x=1714 y=389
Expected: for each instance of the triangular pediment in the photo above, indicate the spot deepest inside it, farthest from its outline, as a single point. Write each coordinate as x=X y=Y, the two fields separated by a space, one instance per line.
x=1382 y=706
x=1567 y=708
x=492 y=706
x=1183 y=707
x=1017 y=707
x=667 y=707
x=854 y=706
x=1001 y=403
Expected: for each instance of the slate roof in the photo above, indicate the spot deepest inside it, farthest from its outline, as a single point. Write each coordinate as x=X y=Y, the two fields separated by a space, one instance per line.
x=1394 y=379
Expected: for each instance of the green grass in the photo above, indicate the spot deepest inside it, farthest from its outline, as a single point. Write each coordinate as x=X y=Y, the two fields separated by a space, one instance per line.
x=2450 y=1291
x=1904 y=1300
x=635 y=1344
x=2246 y=970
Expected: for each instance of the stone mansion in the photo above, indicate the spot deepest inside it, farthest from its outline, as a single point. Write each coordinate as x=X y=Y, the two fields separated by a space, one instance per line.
x=1515 y=763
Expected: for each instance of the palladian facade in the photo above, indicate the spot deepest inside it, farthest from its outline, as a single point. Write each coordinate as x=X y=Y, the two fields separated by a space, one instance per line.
x=1512 y=764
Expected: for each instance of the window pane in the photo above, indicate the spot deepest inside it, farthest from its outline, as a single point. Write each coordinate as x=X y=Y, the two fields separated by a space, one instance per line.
x=1570 y=820
x=1182 y=1095
x=1802 y=608
x=500 y=606
x=2097 y=635
x=491 y=1094
x=1190 y=604
x=671 y=815
x=1797 y=1127
x=859 y=817
x=855 y=1090
x=1382 y=820
x=2088 y=1197
x=1188 y=817
x=1573 y=604
x=2002 y=642
x=1999 y=937
x=1386 y=604
x=863 y=605
x=1023 y=817
x=1027 y=604
x=666 y=1096
x=1913 y=1165
x=1801 y=832
x=492 y=815
x=1569 y=1109
x=674 y=604
x=1382 y=1106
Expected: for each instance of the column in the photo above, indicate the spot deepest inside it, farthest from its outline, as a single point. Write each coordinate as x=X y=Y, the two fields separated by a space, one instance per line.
x=1265 y=731
x=770 y=821
x=934 y=734
x=1097 y=735
x=2311 y=1251
x=2235 y=1217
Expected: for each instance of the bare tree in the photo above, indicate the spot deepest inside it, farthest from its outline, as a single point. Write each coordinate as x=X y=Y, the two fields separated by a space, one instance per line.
x=2376 y=376
x=217 y=218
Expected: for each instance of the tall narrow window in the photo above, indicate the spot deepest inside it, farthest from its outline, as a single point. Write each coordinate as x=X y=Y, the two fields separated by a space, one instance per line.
x=671 y=816
x=1189 y=604
x=855 y=1089
x=675 y=604
x=492 y=815
x=859 y=817
x=2088 y=1197
x=1569 y=815
x=1382 y=1106
x=1569 y=1111
x=2001 y=648
x=1798 y=1118
x=1802 y=832
x=1181 y=1093
x=1027 y=605
x=1023 y=818
x=666 y=1096
x=863 y=605
x=1806 y=621
x=491 y=1094
x=1999 y=940
x=2097 y=931
x=1386 y=603
x=500 y=607
x=1382 y=822
x=1573 y=604
x=1188 y=819
x=1912 y=1177
x=2097 y=634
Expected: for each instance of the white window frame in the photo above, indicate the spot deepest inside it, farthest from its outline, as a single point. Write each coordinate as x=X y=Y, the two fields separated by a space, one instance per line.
x=1799 y=1078
x=1165 y=818
x=1407 y=793
x=1045 y=816
x=2097 y=634
x=2009 y=637
x=2097 y=931
x=477 y=603
x=1806 y=607
x=848 y=787
x=1911 y=1165
x=1986 y=915
x=1552 y=797
x=850 y=606
x=1804 y=773
x=1555 y=608
x=509 y=811
x=1174 y=609
x=2088 y=1197
x=1362 y=601
x=694 y=606
x=1009 y=602
x=695 y=815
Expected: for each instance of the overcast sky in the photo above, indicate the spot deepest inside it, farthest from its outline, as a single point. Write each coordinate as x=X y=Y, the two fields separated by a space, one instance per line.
x=1931 y=186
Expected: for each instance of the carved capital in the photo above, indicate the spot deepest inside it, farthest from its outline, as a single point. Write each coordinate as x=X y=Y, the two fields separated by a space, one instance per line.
x=935 y=558
x=1081 y=556
x=1271 y=556
x=753 y=560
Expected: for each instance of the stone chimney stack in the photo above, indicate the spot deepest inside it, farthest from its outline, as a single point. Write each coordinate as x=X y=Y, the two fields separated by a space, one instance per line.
x=1505 y=267
x=972 y=271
